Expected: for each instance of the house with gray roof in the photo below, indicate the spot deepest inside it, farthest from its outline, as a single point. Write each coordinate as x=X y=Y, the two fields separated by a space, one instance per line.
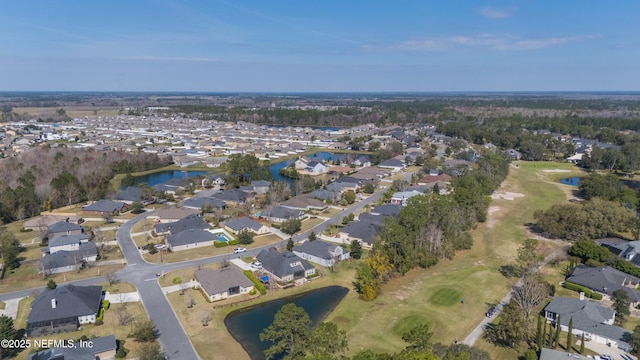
x=387 y=210
x=281 y=214
x=130 y=194
x=201 y=203
x=401 y=197
x=173 y=214
x=394 y=165
x=63 y=228
x=261 y=186
x=68 y=260
x=590 y=319
x=321 y=253
x=238 y=225
x=40 y=223
x=63 y=309
x=105 y=207
x=189 y=239
x=65 y=242
x=100 y=348
x=222 y=284
x=325 y=195
x=365 y=232
x=190 y=222
x=286 y=266
x=549 y=354
x=235 y=196
x=606 y=280
x=628 y=250
x=304 y=202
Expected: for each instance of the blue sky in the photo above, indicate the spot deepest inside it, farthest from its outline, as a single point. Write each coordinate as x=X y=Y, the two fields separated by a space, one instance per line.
x=320 y=45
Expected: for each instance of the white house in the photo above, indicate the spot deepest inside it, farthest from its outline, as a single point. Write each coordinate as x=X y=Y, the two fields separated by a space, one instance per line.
x=321 y=253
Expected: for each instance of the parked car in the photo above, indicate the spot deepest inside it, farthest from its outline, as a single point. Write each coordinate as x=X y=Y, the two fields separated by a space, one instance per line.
x=490 y=312
x=239 y=250
x=256 y=265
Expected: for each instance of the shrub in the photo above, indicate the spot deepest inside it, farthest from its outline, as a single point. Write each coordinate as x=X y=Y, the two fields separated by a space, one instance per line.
x=98 y=323
x=587 y=292
x=233 y=242
x=252 y=292
x=23 y=230
x=100 y=316
x=106 y=304
x=258 y=285
x=177 y=280
x=315 y=274
x=219 y=244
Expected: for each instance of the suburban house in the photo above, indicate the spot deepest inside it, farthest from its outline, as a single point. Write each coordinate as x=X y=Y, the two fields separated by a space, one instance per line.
x=222 y=284
x=235 y=196
x=514 y=154
x=189 y=239
x=304 y=202
x=190 y=222
x=592 y=320
x=321 y=253
x=102 y=348
x=435 y=179
x=261 y=186
x=58 y=261
x=315 y=168
x=63 y=309
x=173 y=214
x=213 y=180
x=628 y=250
x=202 y=203
x=105 y=207
x=130 y=194
x=238 y=225
x=41 y=223
x=362 y=160
x=281 y=214
x=63 y=228
x=394 y=165
x=401 y=197
x=386 y=210
x=65 y=243
x=549 y=354
x=371 y=173
x=324 y=194
x=606 y=280
x=286 y=266
x=365 y=232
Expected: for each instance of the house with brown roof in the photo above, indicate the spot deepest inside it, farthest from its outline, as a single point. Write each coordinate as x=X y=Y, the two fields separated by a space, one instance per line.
x=173 y=214
x=221 y=284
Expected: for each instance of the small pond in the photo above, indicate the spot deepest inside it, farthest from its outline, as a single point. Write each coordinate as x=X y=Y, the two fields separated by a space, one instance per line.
x=575 y=181
x=572 y=181
x=245 y=325
x=166 y=175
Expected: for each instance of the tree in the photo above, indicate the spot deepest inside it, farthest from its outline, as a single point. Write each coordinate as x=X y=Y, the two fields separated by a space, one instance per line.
x=326 y=340
x=419 y=337
x=312 y=236
x=111 y=278
x=290 y=244
x=289 y=332
x=634 y=340
x=356 y=249
x=7 y=331
x=291 y=226
x=206 y=317
x=368 y=188
x=529 y=295
x=570 y=335
x=51 y=285
x=245 y=237
x=137 y=207
x=150 y=351
x=621 y=305
x=539 y=333
x=350 y=197
x=529 y=256
x=556 y=337
x=9 y=249
x=581 y=351
x=512 y=327
x=144 y=331
x=124 y=316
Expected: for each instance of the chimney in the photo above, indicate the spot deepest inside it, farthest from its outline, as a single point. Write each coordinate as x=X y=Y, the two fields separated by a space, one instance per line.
x=53 y=303
x=581 y=295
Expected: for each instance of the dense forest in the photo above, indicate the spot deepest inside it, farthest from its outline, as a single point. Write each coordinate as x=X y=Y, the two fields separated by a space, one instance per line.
x=52 y=177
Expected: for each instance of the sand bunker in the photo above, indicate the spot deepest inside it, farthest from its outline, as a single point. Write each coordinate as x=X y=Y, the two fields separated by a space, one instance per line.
x=506 y=195
x=556 y=171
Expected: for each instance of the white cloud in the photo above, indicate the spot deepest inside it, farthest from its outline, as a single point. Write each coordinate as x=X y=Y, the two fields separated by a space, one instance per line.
x=481 y=41
x=494 y=13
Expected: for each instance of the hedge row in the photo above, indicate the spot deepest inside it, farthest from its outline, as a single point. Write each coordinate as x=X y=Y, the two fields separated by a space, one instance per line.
x=587 y=292
x=100 y=315
x=105 y=304
x=258 y=285
x=220 y=244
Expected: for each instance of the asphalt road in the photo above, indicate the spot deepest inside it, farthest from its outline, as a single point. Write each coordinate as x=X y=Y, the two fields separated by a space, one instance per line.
x=142 y=275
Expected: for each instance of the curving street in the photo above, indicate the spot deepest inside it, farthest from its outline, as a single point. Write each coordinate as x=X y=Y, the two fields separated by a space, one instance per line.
x=142 y=275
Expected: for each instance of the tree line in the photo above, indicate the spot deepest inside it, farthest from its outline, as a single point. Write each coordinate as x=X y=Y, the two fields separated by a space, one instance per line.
x=431 y=227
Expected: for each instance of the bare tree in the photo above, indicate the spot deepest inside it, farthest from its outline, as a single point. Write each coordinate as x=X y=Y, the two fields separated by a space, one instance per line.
x=124 y=316
x=121 y=299
x=45 y=269
x=183 y=288
x=529 y=295
x=205 y=318
x=111 y=278
x=190 y=302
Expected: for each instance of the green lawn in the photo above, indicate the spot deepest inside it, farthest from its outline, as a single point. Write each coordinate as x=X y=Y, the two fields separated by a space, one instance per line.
x=409 y=322
x=473 y=274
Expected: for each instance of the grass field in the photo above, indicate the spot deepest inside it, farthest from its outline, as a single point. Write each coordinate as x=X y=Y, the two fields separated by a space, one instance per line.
x=474 y=275
x=409 y=322
x=26 y=277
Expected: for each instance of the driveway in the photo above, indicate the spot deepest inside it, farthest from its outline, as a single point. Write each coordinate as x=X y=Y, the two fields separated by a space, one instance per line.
x=603 y=349
x=119 y=298
x=10 y=308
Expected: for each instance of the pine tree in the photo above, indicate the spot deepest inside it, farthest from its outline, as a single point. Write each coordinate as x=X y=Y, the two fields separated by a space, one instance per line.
x=544 y=334
x=556 y=337
x=582 y=343
x=569 y=335
x=539 y=334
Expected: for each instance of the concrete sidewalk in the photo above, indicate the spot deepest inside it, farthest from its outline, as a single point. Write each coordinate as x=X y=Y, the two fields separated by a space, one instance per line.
x=11 y=308
x=174 y=288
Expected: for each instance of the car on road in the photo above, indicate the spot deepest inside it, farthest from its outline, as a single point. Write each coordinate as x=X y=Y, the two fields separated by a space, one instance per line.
x=256 y=265
x=490 y=312
x=606 y=357
x=239 y=250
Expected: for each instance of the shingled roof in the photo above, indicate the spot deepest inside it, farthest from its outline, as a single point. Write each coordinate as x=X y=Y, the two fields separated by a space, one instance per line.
x=70 y=301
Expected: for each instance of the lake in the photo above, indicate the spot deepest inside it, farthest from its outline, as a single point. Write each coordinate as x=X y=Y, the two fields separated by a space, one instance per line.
x=166 y=175
x=575 y=181
x=245 y=325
